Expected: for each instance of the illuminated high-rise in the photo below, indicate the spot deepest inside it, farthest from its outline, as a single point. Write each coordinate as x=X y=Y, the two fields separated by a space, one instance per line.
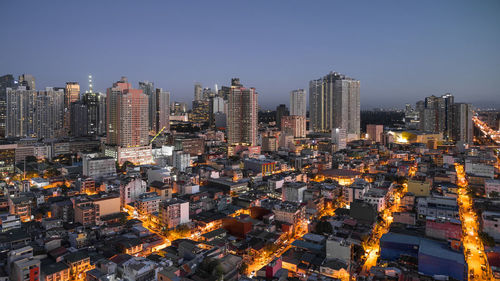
x=242 y=115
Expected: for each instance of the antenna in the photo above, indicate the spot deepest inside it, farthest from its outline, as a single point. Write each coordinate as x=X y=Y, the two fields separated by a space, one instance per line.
x=90 y=84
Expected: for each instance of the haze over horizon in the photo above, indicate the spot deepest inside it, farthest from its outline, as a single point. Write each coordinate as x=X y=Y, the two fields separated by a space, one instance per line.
x=400 y=51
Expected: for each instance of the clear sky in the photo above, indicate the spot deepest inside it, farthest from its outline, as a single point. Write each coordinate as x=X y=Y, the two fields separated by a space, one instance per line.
x=401 y=51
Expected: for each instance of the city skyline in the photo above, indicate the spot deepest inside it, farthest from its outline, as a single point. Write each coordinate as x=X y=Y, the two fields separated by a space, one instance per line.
x=392 y=50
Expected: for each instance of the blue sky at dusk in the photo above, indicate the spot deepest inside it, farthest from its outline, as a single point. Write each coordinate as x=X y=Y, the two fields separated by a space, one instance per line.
x=401 y=51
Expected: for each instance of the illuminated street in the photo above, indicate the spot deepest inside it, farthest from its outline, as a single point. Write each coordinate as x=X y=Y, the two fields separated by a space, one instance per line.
x=372 y=245
x=473 y=246
x=486 y=130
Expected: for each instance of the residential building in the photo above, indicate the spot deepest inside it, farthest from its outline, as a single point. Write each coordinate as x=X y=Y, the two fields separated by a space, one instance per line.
x=130 y=189
x=161 y=121
x=298 y=102
x=242 y=116
x=71 y=95
x=127 y=122
x=26 y=269
x=147 y=203
x=174 y=212
x=462 y=129
x=78 y=119
x=294 y=125
x=281 y=111
x=439 y=207
x=293 y=191
x=334 y=102
x=375 y=132
x=99 y=167
x=148 y=88
x=96 y=110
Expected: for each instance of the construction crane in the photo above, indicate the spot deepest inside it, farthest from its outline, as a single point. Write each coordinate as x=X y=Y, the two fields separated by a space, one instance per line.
x=157 y=135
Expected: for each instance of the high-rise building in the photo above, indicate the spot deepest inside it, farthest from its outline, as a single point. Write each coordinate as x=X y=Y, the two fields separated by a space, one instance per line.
x=127 y=124
x=242 y=114
x=96 y=110
x=49 y=113
x=294 y=125
x=462 y=130
x=281 y=110
x=436 y=114
x=28 y=81
x=217 y=108
x=162 y=111
x=71 y=95
x=375 y=132
x=6 y=81
x=34 y=114
x=148 y=88
x=198 y=92
x=127 y=115
x=334 y=102
x=20 y=103
x=200 y=112
x=79 y=119
x=298 y=102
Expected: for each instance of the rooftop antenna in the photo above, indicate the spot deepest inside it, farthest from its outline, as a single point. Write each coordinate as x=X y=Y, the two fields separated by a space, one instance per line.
x=90 y=84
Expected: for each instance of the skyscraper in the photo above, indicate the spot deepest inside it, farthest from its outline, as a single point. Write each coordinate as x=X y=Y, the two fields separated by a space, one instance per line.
x=242 y=115
x=148 y=88
x=298 y=102
x=436 y=114
x=162 y=111
x=79 y=119
x=20 y=112
x=334 y=102
x=96 y=113
x=462 y=130
x=6 y=81
x=198 y=92
x=127 y=115
x=71 y=95
x=34 y=114
x=49 y=113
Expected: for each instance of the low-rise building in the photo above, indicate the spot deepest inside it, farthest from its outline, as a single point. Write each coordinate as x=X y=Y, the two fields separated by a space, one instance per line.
x=174 y=212
x=147 y=203
x=99 y=167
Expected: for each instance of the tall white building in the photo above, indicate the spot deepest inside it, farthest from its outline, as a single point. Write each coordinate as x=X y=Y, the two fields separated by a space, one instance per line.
x=334 y=102
x=298 y=102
